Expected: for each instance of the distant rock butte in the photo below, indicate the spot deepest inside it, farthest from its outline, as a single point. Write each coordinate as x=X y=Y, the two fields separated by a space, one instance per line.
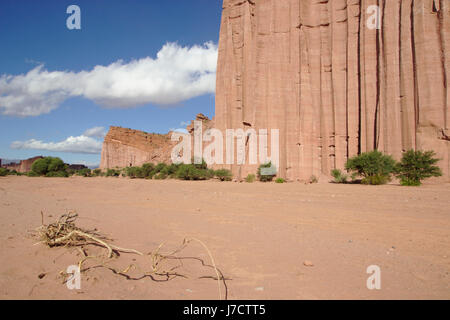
x=333 y=86
x=23 y=166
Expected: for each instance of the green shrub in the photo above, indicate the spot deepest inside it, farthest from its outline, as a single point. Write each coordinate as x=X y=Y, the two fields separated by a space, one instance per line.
x=48 y=165
x=223 y=174
x=313 y=179
x=202 y=165
x=374 y=167
x=159 y=167
x=40 y=166
x=280 y=180
x=112 y=173
x=339 y=176
x=135 y=172
x=250 y=178
x=97 y=173
x=57 y=174
x=416 y=166
x=84 y=172
x=191 y=172
x=161 y=176
x=56 y=165
x=4 y=172
x=268 y=176
x=32 y=174
x=147 y=170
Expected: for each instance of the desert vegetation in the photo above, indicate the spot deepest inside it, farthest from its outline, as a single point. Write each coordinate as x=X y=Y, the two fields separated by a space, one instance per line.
x=376 y=168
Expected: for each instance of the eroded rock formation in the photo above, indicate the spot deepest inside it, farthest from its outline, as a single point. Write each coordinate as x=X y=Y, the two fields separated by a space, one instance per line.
x=332 y=85
x=23 y=166
x=126 y=147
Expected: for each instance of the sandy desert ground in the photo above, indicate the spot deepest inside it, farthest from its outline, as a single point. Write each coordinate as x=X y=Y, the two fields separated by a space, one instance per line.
x=259 y=234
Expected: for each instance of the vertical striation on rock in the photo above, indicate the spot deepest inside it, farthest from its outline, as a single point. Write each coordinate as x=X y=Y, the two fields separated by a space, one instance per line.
x=333 y=86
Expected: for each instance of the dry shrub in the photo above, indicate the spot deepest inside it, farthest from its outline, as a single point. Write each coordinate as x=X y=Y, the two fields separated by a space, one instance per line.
x=65 y=233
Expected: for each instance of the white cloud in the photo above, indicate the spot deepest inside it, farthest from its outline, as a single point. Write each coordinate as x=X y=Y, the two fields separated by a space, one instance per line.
x=96 y=132
x=177 y=74
x=181 y=130
x=80 y=144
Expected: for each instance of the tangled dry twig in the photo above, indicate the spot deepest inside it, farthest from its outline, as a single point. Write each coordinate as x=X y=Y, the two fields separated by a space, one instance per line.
x=65 y=233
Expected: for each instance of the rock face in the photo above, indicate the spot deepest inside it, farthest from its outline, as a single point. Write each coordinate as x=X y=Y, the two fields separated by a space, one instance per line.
x=333 y=85
x=24 y=165
x=126 y=147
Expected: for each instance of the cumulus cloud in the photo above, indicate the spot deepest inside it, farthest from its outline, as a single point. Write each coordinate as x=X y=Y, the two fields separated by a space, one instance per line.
x=96 y=132
x=176 y=74
x=86 y=143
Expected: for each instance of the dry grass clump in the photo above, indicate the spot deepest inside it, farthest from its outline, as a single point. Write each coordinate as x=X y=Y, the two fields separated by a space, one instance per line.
x=65 y=233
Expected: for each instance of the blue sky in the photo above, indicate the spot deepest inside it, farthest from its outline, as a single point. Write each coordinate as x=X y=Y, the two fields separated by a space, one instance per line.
x=57 y=83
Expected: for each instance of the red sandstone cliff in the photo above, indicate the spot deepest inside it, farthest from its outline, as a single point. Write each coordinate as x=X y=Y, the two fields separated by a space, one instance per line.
x=334 y=87
x=24 y=165
x=126 y=147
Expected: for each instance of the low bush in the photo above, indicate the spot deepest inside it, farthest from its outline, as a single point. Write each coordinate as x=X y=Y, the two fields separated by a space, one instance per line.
x=266 y=172
x=161 y=176
x=280 y=180
x=97 y=173
x=32 y=174
x=223 y=175
x=57 y=174
x=416 y=166
x=112 y=173
x=339 y=176
x=192 y=172
x=374 y=167
x=4 y=172
x=84 y=172
x=250 y=178
x=313 y=179
x=135 y=172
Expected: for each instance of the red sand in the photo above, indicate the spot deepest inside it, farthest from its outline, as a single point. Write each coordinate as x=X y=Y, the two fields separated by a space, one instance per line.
x=259 y=234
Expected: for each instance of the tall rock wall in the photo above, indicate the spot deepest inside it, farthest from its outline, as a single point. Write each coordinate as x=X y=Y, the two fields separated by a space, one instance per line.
x=332 y=85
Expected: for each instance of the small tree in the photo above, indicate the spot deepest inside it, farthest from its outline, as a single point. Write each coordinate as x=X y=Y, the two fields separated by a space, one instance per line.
x=416 y=166
x=374 y=167
x=40 y=166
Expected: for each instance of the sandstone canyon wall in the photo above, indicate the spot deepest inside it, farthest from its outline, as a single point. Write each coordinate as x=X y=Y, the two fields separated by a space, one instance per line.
x=332 y=85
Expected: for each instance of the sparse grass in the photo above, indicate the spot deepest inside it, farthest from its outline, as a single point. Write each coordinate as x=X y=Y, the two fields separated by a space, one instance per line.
x=280 y=180
x=250 y=178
